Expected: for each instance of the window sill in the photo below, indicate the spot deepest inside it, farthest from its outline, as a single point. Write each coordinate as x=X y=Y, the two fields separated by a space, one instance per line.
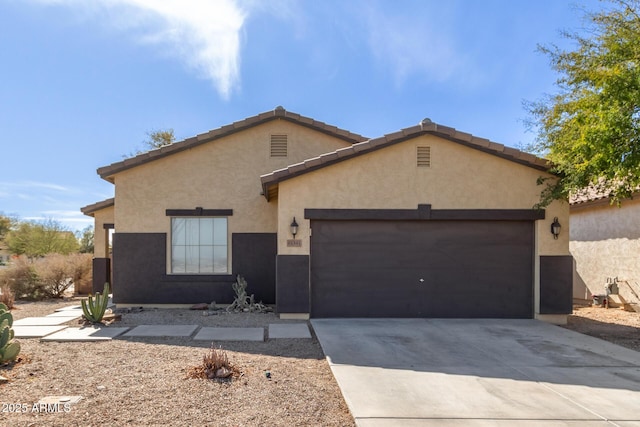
x=180 y=277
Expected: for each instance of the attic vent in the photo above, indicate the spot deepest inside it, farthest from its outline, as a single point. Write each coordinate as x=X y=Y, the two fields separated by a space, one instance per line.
x=278 y=145
x=424 y=157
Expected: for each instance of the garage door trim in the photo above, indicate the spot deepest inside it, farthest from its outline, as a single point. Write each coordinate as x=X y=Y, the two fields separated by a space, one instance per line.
x=425 y=213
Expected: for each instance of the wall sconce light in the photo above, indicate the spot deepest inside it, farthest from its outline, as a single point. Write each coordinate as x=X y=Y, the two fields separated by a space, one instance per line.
x=294 y=228
x=555 y=228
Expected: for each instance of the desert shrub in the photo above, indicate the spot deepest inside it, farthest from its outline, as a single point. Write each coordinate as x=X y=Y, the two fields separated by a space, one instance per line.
x=53 y=274
x=81 y=269
x=47 y=277
x=7 y=297
x=21 y=277
x=215 y=366
x=56 y=273
x=216 y=363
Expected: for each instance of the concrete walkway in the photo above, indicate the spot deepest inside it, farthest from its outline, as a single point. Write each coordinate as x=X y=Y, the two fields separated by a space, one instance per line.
x=434 y=372
x=39 y=327
x=51 y=328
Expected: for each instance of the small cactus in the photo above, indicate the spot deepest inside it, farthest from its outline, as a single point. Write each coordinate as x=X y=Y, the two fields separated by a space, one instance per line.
x=6 y=315
x=9 y=348
x=95 y=307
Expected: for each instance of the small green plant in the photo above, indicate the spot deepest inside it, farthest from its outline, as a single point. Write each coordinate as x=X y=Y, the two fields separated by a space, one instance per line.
x=9 y=348
x=95 y=307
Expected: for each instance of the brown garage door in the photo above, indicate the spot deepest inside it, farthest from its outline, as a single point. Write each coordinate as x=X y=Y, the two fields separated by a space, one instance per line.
x=463 y=269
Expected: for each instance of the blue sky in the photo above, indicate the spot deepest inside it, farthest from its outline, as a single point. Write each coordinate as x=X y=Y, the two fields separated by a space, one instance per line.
x=82 y=82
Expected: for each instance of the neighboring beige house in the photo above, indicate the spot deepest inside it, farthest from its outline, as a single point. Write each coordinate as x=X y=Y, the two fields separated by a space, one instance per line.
x=424 y=222
x=605 y=244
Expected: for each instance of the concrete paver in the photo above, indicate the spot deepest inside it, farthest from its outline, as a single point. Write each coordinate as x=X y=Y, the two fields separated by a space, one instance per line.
x=35 y=331
x=44 y=321
x=484 y=423
x=435 y=372
x=289 y=330
x=230 y=334
x=161 y=331
x=89 y=333
x=70 y=307
x=72 y=400
x=66 y=313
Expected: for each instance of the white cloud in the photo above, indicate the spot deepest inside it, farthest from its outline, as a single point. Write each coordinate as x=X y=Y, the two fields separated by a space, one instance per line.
x=7 y=188
x=44 y=185
x=39 y=201
x=64 y=214
x=413 y=42
x=75 y=220
x=72 y=220
x=203 y=34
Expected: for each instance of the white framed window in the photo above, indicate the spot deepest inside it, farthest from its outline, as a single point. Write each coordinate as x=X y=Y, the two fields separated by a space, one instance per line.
x=199 y=245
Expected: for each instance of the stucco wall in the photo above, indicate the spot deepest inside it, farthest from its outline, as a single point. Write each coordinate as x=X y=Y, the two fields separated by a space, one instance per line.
x=605 y=242
x=222 y=174
x=101 y=236
x=459 y=178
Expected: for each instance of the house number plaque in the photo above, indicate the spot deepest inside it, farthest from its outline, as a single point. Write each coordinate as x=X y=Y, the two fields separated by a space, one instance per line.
x=294 y=243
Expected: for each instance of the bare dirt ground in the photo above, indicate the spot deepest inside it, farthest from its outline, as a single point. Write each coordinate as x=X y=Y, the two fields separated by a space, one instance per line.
x=143 y=382
x=610 y=324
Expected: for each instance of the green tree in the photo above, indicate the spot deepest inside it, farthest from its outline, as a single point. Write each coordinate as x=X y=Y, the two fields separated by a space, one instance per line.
x=155 y=139
x=590 y=129
x=159 y=138
x=5 y=225
x=85 y=238
x=37 y=239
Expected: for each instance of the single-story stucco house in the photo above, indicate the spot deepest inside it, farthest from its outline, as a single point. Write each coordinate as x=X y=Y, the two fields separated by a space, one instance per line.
x=605 y=244
x=424 y=222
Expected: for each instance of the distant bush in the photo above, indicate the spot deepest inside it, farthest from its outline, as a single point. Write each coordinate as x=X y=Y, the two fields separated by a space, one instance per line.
x=47 y=277
x=7 y=297
x=53 y=275
x=81 y=270
x=20 y=276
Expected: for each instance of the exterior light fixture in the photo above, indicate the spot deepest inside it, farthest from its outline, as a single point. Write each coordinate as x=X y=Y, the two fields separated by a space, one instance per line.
x=555 y=228
x=294 y=227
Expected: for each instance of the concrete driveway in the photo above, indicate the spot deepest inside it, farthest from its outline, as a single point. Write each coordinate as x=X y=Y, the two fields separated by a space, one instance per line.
x=458 y=372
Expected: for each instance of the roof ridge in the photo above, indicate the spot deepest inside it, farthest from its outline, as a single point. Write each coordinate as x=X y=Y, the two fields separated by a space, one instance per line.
x=277 y=113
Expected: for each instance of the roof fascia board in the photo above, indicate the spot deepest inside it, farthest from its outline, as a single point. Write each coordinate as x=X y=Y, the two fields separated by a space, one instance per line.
x=90 y=209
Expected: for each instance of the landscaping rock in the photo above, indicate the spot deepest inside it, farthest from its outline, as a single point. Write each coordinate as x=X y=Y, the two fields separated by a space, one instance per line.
x=111 y=317
x=223 y=372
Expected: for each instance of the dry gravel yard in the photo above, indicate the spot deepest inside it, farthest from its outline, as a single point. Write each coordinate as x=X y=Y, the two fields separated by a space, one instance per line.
x=142 y=382
x=610 y=324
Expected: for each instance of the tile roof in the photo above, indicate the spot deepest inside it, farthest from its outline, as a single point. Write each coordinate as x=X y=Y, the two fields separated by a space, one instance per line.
x=588 y=194
x=593 y=195
x=90 y=209
x=426 y=127
x=106 y=172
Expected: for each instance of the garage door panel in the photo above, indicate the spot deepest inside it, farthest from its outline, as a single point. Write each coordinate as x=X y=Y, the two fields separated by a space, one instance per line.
x=421 y=269
x=358 y=300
